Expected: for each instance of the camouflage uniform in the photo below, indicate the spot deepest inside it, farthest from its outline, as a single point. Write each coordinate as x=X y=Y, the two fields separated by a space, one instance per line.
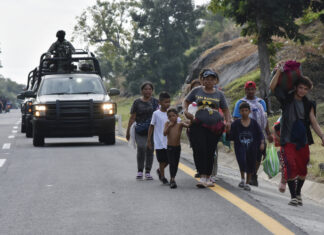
x=61 y=49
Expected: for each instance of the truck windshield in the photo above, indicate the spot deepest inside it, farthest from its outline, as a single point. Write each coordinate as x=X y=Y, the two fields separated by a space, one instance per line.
x=71 y=85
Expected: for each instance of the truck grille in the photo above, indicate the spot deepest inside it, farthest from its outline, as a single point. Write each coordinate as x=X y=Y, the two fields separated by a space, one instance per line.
x=83 y=110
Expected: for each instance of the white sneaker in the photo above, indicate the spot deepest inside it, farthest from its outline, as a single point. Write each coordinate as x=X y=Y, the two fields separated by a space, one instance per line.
x=209 y=183
x=213 y=179
x=201 y=183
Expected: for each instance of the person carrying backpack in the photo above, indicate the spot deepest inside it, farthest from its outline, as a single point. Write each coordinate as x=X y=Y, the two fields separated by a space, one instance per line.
x=259 y=114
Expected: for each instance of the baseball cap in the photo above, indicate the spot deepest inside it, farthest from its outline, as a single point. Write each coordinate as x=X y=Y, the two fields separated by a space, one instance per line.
x=208 y=73
x=249 y=84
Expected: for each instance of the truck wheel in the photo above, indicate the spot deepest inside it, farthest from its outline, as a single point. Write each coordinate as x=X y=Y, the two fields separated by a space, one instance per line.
x=23 y=126
x=29 y=129
x=108 y=139
x=38 y=140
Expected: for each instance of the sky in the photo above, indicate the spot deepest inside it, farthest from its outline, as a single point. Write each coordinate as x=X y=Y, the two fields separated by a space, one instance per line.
x=28 y=28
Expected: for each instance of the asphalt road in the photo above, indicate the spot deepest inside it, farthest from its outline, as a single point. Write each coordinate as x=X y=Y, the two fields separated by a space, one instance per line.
x=78 y=186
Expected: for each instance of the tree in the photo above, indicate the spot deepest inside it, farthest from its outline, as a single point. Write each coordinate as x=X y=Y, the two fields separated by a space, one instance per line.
x=107 y=26
x=264 y=19
x=164 y=30
x=318 y=6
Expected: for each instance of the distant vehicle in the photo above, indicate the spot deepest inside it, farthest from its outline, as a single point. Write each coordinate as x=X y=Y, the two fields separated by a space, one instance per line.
x=73 y=103
x=26 y=105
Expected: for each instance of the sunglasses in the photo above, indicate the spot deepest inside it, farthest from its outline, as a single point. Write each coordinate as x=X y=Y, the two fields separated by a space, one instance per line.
x=209 y=73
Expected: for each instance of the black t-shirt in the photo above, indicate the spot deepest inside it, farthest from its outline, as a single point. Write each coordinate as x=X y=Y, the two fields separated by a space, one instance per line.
x=144 y=110
x=246 y=139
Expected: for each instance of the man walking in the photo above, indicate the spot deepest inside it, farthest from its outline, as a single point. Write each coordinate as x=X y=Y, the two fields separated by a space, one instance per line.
x=298 y=114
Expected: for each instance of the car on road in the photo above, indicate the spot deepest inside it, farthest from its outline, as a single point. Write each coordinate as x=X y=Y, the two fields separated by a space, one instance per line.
x=73 y=103
x=26 y=105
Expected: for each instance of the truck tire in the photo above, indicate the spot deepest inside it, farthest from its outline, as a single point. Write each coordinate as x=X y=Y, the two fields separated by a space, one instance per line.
x=23 y=126
x=29 y=129
x=108 y=139
x=38 y=140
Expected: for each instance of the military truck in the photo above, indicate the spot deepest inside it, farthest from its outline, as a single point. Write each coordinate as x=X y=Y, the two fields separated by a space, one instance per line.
x=73 y=101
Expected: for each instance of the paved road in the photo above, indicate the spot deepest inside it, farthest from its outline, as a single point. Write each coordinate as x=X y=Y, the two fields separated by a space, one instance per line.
x=77 y=186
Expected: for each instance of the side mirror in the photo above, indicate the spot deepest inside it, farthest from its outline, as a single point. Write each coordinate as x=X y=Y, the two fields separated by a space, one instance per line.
x=30 y=94
x=113 y=92
x=21 y=96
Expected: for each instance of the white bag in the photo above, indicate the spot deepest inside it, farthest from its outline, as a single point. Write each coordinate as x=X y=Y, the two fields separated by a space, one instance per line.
x=132 y=142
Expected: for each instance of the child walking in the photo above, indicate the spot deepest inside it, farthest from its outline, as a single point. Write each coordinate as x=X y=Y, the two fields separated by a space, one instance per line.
x=159 y=118
x=248 y=138
x=173 y=130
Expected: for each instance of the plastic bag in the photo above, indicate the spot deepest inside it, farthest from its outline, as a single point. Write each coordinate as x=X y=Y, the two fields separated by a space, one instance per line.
x=132 y=142
x=271 y=163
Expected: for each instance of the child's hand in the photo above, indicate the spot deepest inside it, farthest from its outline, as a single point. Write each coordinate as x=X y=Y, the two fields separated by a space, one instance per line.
x=171 y=124
x=261 y=146
x=149 y=144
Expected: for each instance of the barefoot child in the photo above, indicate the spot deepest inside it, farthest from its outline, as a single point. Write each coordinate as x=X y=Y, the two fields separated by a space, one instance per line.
x=159 y=118
x=248 y=138
x=173 y=130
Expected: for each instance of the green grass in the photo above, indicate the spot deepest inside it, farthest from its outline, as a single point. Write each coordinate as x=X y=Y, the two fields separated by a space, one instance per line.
x=123 y=108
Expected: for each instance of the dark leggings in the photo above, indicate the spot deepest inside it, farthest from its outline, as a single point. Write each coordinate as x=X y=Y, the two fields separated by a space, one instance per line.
x=173 y=158
x=204 y=143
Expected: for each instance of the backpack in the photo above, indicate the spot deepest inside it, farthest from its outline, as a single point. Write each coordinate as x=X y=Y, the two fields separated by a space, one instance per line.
x=257 y=112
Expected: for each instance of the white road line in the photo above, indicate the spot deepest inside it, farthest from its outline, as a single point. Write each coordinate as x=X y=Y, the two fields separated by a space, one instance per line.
x=2 y=162
x=14 y=131
x=11 y=137
x=15 y=127
x=6 y=146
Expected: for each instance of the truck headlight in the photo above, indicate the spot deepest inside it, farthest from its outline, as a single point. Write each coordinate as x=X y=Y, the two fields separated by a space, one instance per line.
x=108 y=108
x=40 y=110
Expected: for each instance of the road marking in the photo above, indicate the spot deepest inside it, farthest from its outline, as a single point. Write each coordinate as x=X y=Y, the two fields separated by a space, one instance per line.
x=2 y=162
x=15 y=127
x=11 y=137
x=265 y=220
x=6 y=146
x=14 y=131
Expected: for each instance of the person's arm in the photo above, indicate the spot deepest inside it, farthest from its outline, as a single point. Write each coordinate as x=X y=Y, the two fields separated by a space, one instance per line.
x=149 y=136
x=316 y=126
x=52 y=48
x=130 y=123
x=185 y=108
x=184 y=124
x=167 y=127
x=275 y=80
x=228 y=118
x=268 y=132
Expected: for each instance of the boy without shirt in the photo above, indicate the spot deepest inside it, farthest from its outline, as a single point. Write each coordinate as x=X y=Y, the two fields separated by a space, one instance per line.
x=173 y=130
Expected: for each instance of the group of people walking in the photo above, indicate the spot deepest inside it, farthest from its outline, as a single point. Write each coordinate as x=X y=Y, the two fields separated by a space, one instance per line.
x=156 y=126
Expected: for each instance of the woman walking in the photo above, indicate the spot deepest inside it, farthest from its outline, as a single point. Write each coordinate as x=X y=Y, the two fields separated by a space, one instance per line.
x=141 y=113
x=207 y=125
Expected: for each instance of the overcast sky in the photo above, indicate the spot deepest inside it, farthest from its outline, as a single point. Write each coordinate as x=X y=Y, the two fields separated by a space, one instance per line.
x=28 y=27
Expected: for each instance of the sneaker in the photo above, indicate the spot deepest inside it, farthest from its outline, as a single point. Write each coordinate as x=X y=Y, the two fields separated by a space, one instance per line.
x=164 y=180
x=213 y=179
x=299 y=200
x=241 y=184
x=159 y=174
x=197 y=175
x=247 y=188
x=173 y=184
x=209 y=183
x=201 y=183
x=293 y=202
x=254 y=180
x=148 y=176
x=282 y=187
x=139 y=175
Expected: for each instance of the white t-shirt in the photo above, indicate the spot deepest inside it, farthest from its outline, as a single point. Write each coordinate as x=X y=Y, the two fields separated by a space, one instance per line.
x=159 y=119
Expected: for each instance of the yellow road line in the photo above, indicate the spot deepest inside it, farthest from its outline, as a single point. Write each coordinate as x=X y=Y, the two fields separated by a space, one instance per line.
x=265 y=220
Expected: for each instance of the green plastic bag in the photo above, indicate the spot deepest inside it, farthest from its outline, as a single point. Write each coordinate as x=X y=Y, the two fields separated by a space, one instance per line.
x=271 y=163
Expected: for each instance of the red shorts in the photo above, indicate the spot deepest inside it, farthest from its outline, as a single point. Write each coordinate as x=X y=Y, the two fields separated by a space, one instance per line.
x=295 y=160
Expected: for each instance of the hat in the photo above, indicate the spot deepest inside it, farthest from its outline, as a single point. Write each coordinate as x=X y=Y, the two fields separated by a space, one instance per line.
x=250 y=84
x=208 y=72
